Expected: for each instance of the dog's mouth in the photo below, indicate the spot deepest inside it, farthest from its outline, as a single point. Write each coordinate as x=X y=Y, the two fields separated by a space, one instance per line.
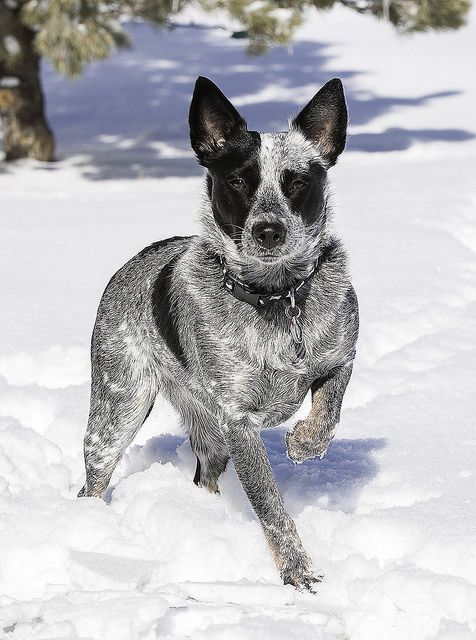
x=272 y=256
x=265 y=258
x=268 y=257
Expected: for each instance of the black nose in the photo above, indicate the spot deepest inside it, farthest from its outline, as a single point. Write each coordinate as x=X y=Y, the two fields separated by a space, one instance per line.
x=269 y=234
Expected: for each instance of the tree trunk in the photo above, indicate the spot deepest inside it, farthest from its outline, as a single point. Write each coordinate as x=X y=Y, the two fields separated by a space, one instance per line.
x=26 y=133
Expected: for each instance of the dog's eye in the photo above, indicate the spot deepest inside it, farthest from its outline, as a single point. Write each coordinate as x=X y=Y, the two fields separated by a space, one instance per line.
x=297 y=184
x=237 y=183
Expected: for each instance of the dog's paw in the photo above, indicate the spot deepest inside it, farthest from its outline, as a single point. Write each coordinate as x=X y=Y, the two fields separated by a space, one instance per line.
x=307 y=441
x=304 y=582
x=300 y=576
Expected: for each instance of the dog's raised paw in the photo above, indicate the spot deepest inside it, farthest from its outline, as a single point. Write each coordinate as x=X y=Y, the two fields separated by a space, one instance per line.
x=306 y=441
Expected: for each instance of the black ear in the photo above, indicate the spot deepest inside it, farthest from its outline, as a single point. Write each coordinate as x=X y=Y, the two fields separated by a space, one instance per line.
x=213 y=119
x=324 y=120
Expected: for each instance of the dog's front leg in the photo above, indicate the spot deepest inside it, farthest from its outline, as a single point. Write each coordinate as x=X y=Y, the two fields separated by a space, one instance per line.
x=311 y=437
x=254 y=471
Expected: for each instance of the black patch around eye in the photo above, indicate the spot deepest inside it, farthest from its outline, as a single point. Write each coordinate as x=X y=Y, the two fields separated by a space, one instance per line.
x=306 y=200
x=238 y=159
x=237 y=183
x=292 y=182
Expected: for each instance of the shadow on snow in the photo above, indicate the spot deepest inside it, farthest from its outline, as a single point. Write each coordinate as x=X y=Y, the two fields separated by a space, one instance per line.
x=333 y=482
x=127 y=116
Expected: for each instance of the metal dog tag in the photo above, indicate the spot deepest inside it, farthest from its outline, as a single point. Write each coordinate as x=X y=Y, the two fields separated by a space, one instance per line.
x=293 y=314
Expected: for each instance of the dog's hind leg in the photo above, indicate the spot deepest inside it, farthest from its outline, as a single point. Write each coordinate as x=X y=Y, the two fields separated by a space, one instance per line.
x=211 y=451
x=114 y=419
x=210 y=465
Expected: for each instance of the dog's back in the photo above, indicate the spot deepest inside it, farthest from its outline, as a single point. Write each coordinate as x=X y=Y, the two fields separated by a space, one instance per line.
x=134 y=310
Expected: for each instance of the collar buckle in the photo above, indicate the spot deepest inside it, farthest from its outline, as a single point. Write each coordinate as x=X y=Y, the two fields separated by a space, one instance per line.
x=240 y=293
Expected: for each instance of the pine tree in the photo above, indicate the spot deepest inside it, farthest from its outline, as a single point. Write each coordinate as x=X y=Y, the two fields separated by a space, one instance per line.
x=72 y=33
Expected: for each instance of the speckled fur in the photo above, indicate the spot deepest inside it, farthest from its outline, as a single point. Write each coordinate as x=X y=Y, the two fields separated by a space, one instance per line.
x=238 y=371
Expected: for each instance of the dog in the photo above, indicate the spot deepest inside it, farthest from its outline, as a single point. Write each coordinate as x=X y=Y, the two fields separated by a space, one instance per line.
x=235 y=326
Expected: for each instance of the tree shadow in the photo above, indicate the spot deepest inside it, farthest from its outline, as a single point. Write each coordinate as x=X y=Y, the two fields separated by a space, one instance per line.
x=126 y=118
x=333 y=482
x=396 y=139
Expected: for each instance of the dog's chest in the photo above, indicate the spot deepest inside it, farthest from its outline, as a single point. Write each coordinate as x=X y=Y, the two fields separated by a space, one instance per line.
x=258 y=374
x=263 y=395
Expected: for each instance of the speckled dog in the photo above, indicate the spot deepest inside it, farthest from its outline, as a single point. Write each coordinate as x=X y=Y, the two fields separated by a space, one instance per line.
x=234 y=326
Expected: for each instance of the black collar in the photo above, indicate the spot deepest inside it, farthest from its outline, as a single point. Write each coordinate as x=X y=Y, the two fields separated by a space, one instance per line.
x=243 y=292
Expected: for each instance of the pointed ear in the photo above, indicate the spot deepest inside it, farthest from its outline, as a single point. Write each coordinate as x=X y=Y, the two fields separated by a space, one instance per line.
x=324 y=120
x=213 y=120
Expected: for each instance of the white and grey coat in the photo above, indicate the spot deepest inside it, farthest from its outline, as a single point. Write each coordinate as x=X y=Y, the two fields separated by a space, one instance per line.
x=167 y=324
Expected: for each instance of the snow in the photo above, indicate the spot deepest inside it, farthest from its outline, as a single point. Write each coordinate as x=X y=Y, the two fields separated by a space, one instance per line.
x=8 y=82
x=389 y=514
x=11 y=45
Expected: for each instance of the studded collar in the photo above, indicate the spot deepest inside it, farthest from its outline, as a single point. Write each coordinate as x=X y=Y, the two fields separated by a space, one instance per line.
x=243 y=292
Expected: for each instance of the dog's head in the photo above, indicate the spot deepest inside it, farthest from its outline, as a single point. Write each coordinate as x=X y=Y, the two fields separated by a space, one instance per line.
x=267 y=192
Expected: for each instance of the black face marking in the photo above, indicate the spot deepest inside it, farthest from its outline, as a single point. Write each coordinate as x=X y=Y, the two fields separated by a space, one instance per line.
x=163 y=311
x=232 y=181
x=305 y=191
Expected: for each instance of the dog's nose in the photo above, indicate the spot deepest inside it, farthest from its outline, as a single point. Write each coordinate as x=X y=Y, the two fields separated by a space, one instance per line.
x=269 y=234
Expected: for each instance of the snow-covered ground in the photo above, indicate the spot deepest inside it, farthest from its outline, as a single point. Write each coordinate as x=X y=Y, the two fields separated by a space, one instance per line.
x=389 y=515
